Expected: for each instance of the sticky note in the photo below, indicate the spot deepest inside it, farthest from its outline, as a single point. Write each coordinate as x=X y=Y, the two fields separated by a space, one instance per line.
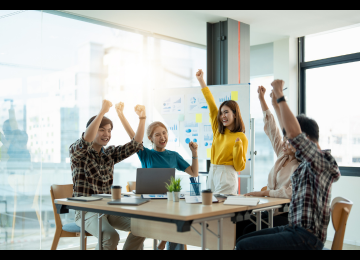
x=208 y=153
x=198 y=118
x=234 y=95
x=181 y=117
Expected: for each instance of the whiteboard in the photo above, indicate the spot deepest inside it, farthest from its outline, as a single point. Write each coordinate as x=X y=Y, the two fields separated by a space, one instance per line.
x=184 y=113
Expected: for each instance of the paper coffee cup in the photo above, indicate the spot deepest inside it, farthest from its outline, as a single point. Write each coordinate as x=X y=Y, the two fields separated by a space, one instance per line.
x=115 y=192
x=206 y=197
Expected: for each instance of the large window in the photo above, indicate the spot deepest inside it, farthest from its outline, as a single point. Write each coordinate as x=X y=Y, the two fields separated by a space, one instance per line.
x=329 y=88
x=54 y=72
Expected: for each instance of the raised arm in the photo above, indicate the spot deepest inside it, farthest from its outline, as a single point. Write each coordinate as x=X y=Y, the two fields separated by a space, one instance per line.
x=200 y=78
x=120 y=111
x=193 y=169
x=288 y=119
x=141 y=112
x=261 y=91
x=270 y=127
x=92 y=129
x=209 y=100
x=277 y=109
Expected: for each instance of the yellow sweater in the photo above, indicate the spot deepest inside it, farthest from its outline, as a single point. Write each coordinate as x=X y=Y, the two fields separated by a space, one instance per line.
x=224 y=150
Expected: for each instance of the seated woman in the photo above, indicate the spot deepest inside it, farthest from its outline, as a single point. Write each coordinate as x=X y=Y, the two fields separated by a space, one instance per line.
x=159 y=157
x=279 y=185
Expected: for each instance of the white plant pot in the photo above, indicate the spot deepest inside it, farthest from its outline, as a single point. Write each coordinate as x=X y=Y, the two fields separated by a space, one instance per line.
x=176 y=196
x=170 y=196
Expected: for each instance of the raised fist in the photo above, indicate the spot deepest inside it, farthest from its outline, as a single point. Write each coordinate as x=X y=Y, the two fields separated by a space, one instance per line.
x=106 y=104
x=261 y=90
x=193 y=147
x=140 y=110
x=200 y=74
x=278 y=85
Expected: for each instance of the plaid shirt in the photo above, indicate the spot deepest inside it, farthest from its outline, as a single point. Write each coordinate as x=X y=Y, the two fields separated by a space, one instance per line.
x=311 y=182
x=92 y=173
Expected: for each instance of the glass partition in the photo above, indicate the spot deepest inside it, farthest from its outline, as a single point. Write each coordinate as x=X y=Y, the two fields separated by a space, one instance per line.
x=54 y=74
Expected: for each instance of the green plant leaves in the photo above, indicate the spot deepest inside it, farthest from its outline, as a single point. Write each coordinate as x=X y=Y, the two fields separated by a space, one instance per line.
x=174 y=185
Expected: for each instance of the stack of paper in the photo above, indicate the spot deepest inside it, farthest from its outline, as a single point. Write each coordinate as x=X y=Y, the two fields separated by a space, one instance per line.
x=243 y=201
x=85 y=199
x=197 y=199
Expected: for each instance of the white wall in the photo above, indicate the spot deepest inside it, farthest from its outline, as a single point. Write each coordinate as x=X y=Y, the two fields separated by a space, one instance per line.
x=286 y=68
x=262 y=60
x=348 y=187
x=280 y=59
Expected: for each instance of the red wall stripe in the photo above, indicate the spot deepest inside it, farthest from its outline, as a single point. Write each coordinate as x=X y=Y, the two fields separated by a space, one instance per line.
x=239 y=49
x=239 y=82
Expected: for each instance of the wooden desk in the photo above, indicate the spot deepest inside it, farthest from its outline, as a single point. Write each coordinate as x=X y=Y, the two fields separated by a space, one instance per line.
x=156 y=219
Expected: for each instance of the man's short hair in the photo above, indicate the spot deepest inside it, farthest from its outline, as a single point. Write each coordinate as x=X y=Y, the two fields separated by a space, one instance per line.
x=308 y=126
x=104 y=122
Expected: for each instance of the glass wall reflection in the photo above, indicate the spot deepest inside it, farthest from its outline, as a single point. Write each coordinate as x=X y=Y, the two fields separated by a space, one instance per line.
x=54 y=73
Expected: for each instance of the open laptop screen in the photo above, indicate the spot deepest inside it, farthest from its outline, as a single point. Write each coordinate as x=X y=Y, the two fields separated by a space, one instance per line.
x=152 y=180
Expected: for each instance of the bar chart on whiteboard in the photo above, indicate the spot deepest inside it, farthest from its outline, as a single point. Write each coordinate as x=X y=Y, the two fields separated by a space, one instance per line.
x=186 y=115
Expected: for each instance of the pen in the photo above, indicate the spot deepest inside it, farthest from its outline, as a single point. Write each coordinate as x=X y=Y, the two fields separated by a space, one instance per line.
x=284 y=89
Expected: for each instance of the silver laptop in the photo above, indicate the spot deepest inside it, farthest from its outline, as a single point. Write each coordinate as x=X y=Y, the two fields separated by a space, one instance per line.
x=152 y=180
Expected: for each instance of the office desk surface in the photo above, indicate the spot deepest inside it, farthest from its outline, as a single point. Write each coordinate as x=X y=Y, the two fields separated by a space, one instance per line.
x=171 y=210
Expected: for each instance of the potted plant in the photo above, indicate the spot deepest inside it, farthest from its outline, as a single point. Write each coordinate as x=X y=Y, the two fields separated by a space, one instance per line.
x=177 y=188
x=170 y=188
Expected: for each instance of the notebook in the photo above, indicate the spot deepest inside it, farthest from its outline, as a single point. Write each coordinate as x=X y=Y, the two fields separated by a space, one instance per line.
x=128 y=201
x=241 y=201
x=84 y=199
x=197 y=199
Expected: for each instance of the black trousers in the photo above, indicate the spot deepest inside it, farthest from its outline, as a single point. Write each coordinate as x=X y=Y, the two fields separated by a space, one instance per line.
x=246 y=227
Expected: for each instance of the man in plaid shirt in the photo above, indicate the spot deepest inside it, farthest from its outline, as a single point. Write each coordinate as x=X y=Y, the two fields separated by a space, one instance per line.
x=92 y=168
x=309 y=212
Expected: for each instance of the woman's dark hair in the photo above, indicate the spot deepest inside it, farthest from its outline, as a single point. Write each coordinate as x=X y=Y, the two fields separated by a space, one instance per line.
x=308 y=126
x=104 y=122
x=239 y=124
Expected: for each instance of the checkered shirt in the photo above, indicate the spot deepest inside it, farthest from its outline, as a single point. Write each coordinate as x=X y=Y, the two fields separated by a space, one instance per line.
x=92 y=173
x=311 y=182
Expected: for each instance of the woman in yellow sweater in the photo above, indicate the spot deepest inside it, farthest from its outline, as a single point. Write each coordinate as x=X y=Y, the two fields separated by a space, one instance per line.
x=228 y=151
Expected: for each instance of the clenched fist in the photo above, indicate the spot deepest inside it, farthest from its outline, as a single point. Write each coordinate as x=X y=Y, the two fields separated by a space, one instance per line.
x=278 y=85
x=193 y=147
x=200 y=75
x=106 y=104
x=140 y=110
x=261 y=90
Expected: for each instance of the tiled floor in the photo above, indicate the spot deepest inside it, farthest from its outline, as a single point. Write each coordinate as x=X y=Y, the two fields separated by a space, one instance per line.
x=148 y=245
x=73 y=243
x=345 y=246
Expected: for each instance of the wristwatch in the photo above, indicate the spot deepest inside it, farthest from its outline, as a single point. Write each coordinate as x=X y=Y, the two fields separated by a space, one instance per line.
x=281 y=99
x=144 y=117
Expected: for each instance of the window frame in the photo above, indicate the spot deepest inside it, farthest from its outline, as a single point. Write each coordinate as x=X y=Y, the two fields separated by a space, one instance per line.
x=303 y=66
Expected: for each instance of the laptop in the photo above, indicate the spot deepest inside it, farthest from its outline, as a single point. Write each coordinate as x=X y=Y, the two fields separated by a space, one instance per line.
x=152 y=180
x=128 y=201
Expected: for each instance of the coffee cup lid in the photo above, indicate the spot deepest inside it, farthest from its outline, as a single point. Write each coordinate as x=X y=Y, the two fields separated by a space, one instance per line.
x=207 y=191
x=116 y=187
